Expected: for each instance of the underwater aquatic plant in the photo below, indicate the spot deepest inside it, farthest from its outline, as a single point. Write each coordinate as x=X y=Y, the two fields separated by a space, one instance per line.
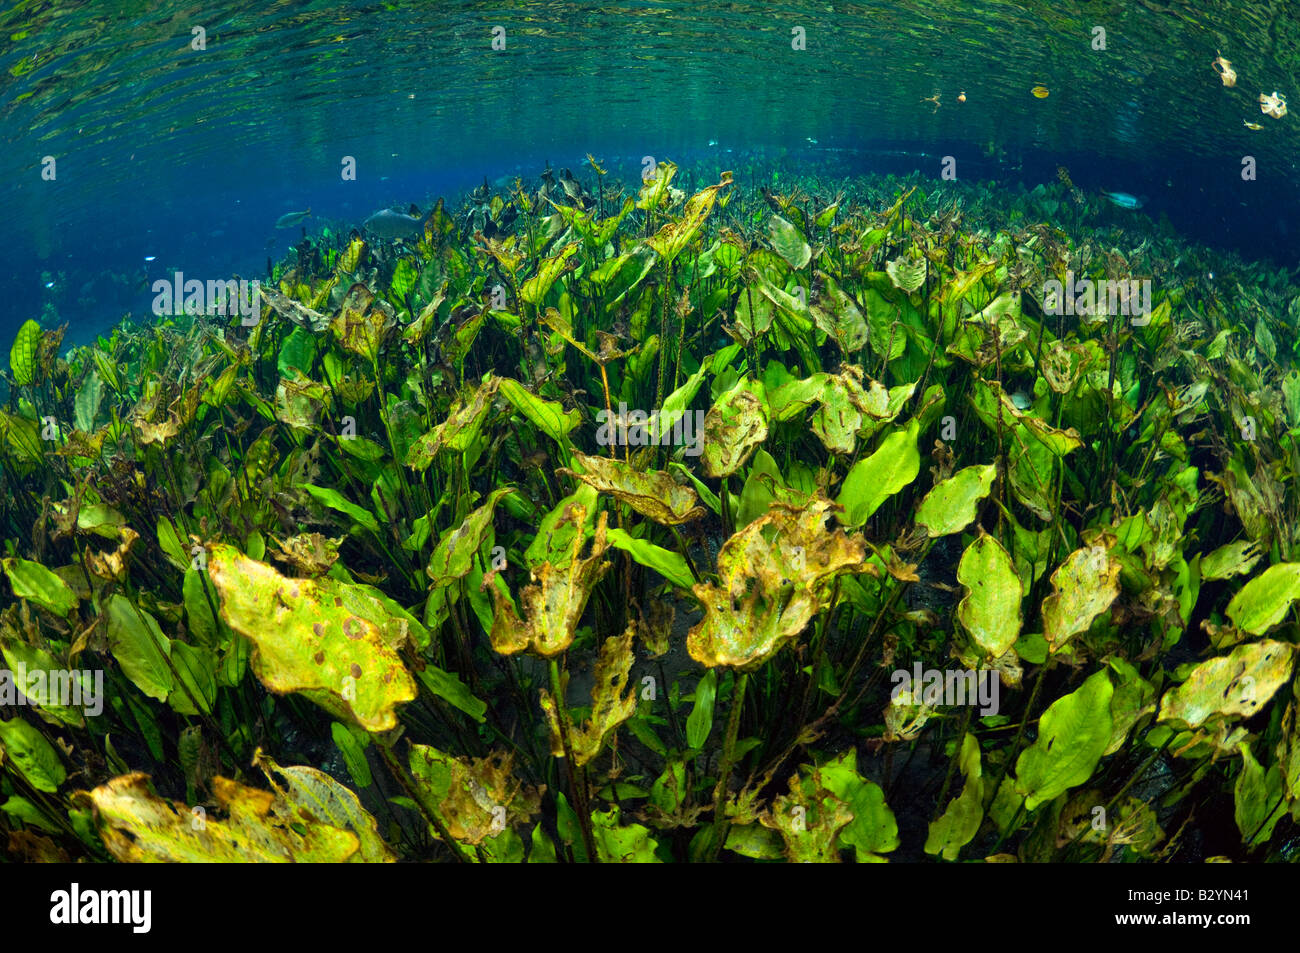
x=531 y=630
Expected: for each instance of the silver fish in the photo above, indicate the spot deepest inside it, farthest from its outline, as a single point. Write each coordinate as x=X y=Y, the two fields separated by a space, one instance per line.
x=390 y=224
x=1124 y=200
x=290 y=219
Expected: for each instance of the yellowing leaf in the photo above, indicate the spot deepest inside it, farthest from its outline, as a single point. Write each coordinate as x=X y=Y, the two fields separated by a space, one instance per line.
x=139 y=827
x=1083 y=587
x=652 y=493
x=1236 y=684
x=609 y=706
x=309 y=637
x=733 y=427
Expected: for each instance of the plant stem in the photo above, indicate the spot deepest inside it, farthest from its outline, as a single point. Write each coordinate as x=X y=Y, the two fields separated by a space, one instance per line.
x=720 y=824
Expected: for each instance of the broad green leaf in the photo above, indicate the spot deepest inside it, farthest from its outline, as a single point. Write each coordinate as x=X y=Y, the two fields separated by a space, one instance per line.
x=31 y=580
x=700 y=721
x=788 y=242
x=37 y=674
x=140 y=647
x=1083 y=587
x=907 y=274
x=873 y=830
x=554 y=540
x=952 y=505
x=622 y=844
x=1073 y=734
x=336 y=501
x=1236 y=684
x=1265 y=600
x=323 y=799
x=677 y=233
x=754 y=840
x=893 y=466
x=22 y=356
x=196 y=690
x=1234 y=559
x=449 y=687
x=139 y=827
x=668 y=563
x=1258 y=796
x=86 y=405
x=35 y=758
x=353 y=750
x=960 y=822
x=1134 y=697
x=548 y=270
x=307 y=640
x=453 y=557
x=547 y=415
x=620 y=275
x=990 y=610
x=298 y=352
x=170 y=543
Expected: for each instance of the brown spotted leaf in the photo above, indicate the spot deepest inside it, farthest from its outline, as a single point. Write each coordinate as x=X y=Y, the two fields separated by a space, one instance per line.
x=654 y=493
x=733 y=427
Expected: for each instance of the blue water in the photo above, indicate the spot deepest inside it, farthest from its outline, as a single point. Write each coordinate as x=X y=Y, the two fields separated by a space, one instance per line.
x=189 y=156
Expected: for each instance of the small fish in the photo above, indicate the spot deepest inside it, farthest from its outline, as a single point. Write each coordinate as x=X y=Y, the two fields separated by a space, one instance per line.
x=49 y=284
x=1251 y=125
x=150 y=257
x=1123 y=199
x=290 y=219
x=1021 y=400
x=389 y=224
x=1040 y=92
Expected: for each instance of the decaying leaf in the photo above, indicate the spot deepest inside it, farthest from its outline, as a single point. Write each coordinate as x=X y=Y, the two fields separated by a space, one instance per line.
x=1236 y=684
x=653 y=493
x=609 y=706
x=775 y=576
x=477 y=798
x=553 y=605
x=1083 y=587
x=733 y=427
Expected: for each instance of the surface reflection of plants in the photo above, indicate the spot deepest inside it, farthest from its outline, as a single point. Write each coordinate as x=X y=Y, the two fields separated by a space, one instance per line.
x=375 y=538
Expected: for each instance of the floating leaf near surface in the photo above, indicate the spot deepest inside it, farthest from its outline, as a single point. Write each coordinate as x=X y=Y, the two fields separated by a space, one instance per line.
x=307 y=640
x=990 y=610
x=953 y=503
x=139 y=827
x=1236 y=684
x=651 y=493
x=1073 y=734
x=1083 y=587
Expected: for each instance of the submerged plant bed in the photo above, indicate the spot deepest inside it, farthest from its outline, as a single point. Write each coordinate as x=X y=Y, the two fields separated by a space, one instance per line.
x=694 y=523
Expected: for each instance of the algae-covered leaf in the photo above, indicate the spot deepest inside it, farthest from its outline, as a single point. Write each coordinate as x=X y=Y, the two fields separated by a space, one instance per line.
x=1072 y=737
x=676 y=234
x=1083 y=587
x=893 y=466
x=31 y=580
x=139 y=827
x=733 y=427
x=547 y=415
x=788 y=242
x=990 y=610
x=960 y=822
x=35 y=758
x=1258 y=798
x=951 y=506
x=1264 y=601
x=318 y=798
x=554 y=604
x=610 y=707
x=653 y=493
x=453 y=557
x=307 y=640
x=1236 y=684
x=477 y=798
x=140 y=647
x=22 y=356
x=774 y=576
x=548 y=270
x=461 y=428
x=810 y=820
